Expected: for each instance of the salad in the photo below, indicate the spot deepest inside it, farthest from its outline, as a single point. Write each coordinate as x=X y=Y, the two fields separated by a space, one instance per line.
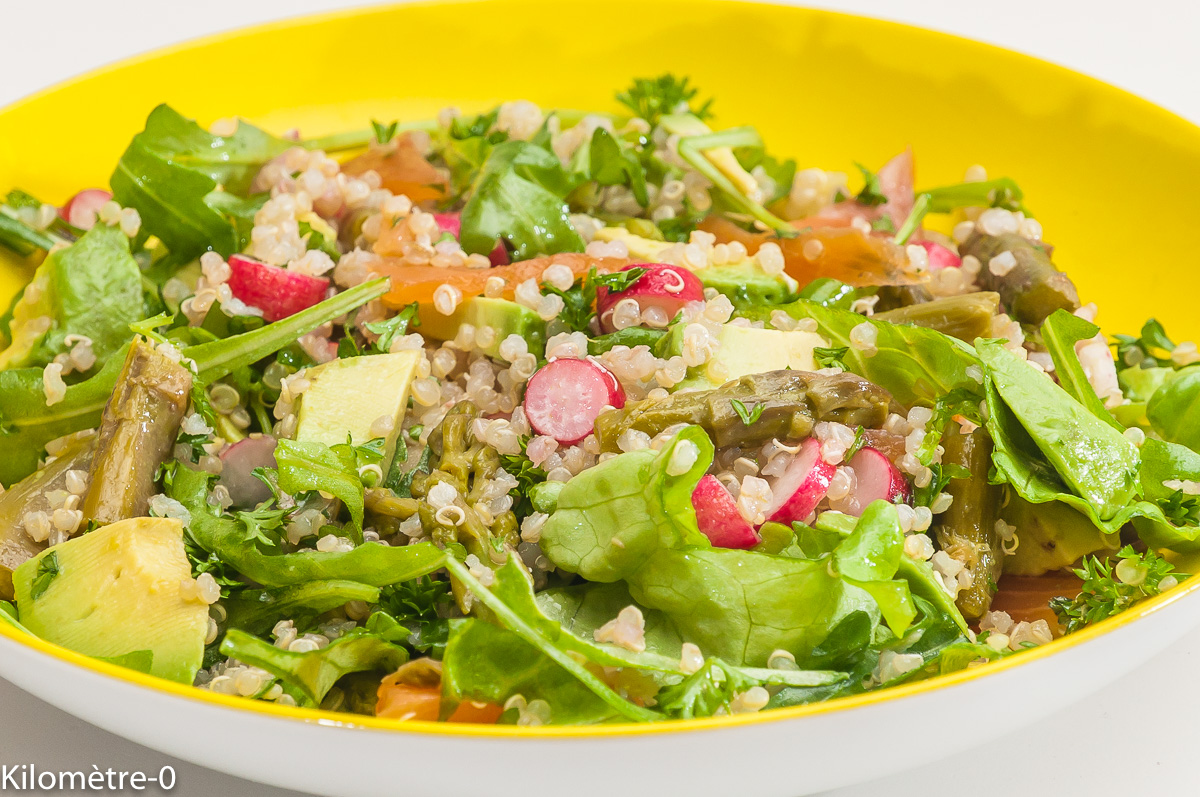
x=538 y=416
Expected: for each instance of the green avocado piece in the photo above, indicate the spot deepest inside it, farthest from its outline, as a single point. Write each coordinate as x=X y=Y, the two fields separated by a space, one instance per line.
x=115 y=592
x=744 y=351
x=1050 y=536
x=507 y=318
x=747 y=285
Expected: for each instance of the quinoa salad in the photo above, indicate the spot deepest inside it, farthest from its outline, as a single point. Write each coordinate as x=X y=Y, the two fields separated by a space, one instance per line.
x=540 y=416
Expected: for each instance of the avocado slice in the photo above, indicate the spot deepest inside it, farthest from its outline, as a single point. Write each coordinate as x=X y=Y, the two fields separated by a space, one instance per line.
x=744 y=351
x=114 y=592
x=347 y=396
x=1051 y=536
x=507 y=318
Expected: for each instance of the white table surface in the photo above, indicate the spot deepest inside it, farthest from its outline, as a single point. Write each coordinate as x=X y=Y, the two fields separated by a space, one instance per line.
x=1135 y=737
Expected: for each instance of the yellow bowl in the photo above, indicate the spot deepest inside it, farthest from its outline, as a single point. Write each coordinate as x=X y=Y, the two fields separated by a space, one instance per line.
x=1110 y=176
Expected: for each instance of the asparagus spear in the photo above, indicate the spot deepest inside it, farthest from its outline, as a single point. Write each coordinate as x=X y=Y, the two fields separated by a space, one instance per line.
x=965 y=317
x=790 y=401
x=137 y=433
x=968 y=528
x=32 y=494
x=1033 y=288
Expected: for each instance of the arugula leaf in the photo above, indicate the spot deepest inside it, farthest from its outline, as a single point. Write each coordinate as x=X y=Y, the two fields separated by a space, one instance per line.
x=184 y=182
x=915 y=364
x=308 y=677
x=748 y=417
x=391 y=328
x=309 y=467
x=48 y=569
x=872 y=192
x=1153 y=348
x=605 y=162
x=630 y=336
x=370 y=563
x=518 y=196
x=401 y=483
x=651 y=98
x=257 y=611
x=1109 y=590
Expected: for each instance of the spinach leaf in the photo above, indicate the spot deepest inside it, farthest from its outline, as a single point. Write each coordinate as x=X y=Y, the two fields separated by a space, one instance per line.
x=180 y=178
x=1092 y=458
x=1174 y=408
x=1165 y=521
x=518 y=197
x=1061 y=331
x=308 y=677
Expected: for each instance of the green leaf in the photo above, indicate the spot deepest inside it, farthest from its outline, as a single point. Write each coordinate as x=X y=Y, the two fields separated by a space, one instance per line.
x=308 y=677
x=47 y=570
x=915 y=216
x=1174 y=408
x=184 y=182
x=311 y=467
x=915 y=364
x=831 y=357
x=371 y=563
x=605 y=162
x=1060 y=332
x=1109 y=590
x=1086 y=453
x=630 y=336
x=999 y=193
x=611 y=517
x=384 y=133
x=746 y=416
x=391 y=328
x=651 y=98
x=872 y=192
x=257 y=611
x=518 y=196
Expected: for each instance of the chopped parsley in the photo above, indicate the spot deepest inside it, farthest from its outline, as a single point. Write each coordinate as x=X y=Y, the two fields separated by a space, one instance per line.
x=652 y=98
x=872 y=191
x=384 y=133
x=831 y=358
x=48 y=569
x=1110 y=588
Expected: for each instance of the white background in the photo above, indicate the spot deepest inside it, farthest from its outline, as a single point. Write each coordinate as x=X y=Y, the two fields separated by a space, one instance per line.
x=1136 y=737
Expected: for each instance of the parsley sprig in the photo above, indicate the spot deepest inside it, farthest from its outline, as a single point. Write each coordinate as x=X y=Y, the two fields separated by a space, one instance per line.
x=1110 y=588
x=652 y=98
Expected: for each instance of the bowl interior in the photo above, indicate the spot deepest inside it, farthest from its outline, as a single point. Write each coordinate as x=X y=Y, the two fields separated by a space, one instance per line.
x=1110 y=176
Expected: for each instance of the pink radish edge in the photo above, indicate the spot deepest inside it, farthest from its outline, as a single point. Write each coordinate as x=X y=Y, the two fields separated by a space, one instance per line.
x=718 y=518
x=802 y=486
x=276 y=291
x=876 y=478
x=80 y=210
x=663 y=286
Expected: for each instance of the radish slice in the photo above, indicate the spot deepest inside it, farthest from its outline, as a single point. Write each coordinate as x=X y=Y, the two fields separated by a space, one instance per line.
x=801 y=487
x=939 y=256
x=718 y=518
x=449 y=222
x=238 y=462
x=565 y=396
x=276 y=291
x=452 y=223
x=877 y=478
x=666 y=287
x=80 y=210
